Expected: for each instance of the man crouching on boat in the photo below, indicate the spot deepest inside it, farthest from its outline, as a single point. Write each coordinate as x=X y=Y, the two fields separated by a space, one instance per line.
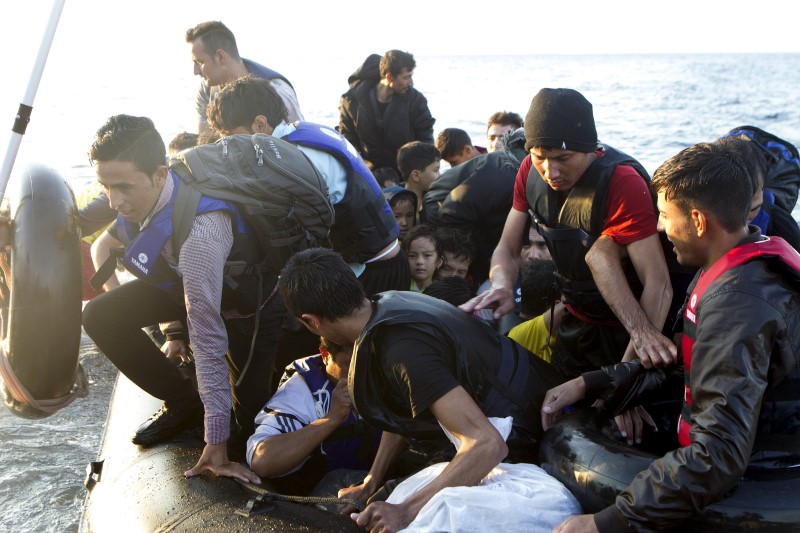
x=419 y=363
x=740 y=347
x=129 y=157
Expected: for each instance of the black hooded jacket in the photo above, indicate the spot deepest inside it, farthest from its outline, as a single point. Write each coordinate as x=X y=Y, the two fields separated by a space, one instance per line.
x=377 y=137
x=475 y=196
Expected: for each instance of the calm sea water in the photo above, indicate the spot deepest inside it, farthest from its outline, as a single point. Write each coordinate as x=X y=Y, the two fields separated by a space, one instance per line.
x=648 y=106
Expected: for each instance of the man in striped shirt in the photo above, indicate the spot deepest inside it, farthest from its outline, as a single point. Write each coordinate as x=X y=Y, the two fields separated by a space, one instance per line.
x=186 y=284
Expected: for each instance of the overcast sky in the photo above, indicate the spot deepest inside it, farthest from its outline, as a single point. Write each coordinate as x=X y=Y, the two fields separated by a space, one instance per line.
x=114 y=29
x=101 y=41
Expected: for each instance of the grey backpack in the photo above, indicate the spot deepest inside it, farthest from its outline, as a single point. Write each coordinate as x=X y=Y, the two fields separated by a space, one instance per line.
x=276 y=188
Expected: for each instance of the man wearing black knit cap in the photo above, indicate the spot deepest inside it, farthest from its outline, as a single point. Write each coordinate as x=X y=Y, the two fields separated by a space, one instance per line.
x=592 y=205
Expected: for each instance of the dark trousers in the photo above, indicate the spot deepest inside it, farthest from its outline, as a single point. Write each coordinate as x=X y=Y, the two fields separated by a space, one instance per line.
x=114 y=320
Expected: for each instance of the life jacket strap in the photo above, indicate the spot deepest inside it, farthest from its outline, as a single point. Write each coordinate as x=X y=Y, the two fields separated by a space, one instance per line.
x=106 y=269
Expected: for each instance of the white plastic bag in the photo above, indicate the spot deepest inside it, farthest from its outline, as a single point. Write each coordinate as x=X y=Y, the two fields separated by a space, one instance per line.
x=513 y=497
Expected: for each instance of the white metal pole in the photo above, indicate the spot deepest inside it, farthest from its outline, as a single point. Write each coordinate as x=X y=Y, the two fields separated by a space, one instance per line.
x=25 y=108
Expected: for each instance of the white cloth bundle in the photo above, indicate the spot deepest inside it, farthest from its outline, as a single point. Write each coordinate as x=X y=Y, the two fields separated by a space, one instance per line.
x=512 y=497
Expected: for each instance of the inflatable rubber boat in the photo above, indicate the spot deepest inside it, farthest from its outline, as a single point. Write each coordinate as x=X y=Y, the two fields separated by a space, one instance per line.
x=41 y=301
x=132 y=488
x=596 y=468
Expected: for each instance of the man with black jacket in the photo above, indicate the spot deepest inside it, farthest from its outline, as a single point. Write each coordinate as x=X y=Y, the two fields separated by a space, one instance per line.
x=740 y=347
x=382 y=111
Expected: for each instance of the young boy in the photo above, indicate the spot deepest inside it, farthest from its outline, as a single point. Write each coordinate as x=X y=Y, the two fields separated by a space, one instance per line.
x=456 y=147
x=419 y=165
x=404 y=207
x=458 y=252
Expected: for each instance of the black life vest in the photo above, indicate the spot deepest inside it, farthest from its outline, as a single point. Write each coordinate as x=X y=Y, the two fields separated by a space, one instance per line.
x=265 y=73
x=364 y=224
x=570 y=230
x=494 y=370
x=767 y=248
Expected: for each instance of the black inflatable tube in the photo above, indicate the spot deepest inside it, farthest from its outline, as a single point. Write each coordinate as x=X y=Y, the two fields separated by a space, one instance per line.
x=596 y=468
x=42 y=337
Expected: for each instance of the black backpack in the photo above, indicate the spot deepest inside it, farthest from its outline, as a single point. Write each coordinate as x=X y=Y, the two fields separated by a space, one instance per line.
x=783 y=165
x=276 y=188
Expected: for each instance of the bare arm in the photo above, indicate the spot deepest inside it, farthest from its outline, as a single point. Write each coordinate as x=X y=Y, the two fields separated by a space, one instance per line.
x=100 y=252
x=96 y=214
x=482 y=448
x=279 y=454
x=390 y=447
x=644 y=319
x=504 y=270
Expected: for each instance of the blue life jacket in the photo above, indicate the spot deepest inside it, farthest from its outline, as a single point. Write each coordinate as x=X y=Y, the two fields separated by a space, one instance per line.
x=353 y=444
x=364 y=223
x=143 y=256
x=260 y=71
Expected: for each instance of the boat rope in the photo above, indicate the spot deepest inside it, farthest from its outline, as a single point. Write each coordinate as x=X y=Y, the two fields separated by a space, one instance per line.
x=300 y=499
x=21 y=394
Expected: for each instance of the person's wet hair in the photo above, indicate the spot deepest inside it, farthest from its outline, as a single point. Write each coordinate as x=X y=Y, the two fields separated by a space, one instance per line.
x=452 y=289
x=416 y=155
x=423 y=231
x=183 y=141
x=457 y=241
x=710 y=177
x=451 y=142
x=215 y=36
x=319 y=282
x=330 y=346
x=752 y=155
x=505 y=118
x=394 y=61
x=241 y=101
x=130 y=139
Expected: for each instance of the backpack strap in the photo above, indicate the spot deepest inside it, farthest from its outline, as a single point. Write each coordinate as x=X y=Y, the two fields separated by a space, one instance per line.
x=187 y=198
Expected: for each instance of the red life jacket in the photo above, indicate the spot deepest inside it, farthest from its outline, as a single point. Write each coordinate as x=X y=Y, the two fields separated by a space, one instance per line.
x=770 y=247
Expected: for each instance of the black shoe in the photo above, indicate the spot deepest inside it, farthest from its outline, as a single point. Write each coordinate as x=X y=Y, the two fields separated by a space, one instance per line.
x=167 y=422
